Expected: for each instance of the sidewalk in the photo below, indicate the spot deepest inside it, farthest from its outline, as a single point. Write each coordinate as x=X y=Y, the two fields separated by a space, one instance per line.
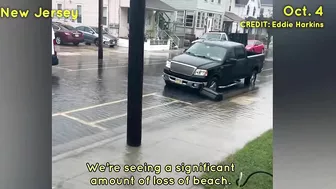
x=203 y=132
x=84 y=49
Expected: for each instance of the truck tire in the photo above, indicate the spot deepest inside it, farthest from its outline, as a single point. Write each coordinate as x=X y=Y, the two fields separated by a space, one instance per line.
x=96 y=42
x=213 y=84
x=250 y=81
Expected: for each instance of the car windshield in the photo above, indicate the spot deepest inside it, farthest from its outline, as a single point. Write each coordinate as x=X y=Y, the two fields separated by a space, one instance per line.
x=62 y=27
x=211 y=36
x=96 y=30
x=208 y=51
x=68 y=27
x=251 y=42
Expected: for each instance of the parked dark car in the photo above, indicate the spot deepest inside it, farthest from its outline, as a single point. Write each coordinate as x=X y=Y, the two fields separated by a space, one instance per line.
x=91 y=36
x=65 y=34
x=212 y=64
x=54 y=57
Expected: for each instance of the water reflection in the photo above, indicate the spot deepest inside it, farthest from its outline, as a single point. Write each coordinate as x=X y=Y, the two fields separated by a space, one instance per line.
x=100 y=84
x=55 y=81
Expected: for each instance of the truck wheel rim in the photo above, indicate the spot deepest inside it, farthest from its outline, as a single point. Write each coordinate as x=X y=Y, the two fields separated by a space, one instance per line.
x=213 y=85
x=253 y=79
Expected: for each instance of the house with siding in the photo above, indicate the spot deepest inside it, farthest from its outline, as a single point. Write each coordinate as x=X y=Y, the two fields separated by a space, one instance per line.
x=247 y=10
x=267 y=8
x=197 y=16
x=174 y=19
x=169 y=19
x=87 y=10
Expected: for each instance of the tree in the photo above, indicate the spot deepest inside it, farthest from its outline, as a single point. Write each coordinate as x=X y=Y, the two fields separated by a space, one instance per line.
x=268 y=30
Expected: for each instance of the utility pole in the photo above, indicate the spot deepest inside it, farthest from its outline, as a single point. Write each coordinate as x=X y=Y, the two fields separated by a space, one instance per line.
x=135 y=72
x=100 y=36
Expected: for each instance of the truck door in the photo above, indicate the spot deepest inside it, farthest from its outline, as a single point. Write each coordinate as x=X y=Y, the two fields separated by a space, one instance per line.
x=240 y=68
x=227 y=68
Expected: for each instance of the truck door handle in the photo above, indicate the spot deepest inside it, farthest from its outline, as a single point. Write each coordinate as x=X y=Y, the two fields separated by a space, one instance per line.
x=226 y=65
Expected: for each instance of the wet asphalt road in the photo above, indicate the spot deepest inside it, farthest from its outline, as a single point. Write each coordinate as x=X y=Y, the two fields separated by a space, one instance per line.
x=88 y=101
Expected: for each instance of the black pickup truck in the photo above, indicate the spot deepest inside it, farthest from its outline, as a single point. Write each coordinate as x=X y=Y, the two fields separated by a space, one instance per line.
x=212 y=64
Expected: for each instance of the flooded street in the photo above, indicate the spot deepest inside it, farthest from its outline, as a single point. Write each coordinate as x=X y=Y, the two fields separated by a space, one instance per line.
x=89 y=117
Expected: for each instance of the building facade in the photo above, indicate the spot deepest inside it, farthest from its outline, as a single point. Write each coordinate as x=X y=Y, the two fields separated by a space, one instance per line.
x=267 y=8
x=197 y=16
x=249 y=10
x=88 y=12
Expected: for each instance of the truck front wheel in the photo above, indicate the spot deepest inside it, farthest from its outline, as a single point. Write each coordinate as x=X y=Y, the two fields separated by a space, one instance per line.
x=213 y=84
x=169 y=84
x=250 y=81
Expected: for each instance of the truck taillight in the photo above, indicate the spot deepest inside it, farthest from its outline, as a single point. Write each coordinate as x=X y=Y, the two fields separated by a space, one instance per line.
x=54 y=41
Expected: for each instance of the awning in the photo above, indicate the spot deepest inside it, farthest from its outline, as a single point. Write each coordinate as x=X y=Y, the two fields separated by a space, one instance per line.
x=232 y=17
x=250 y=18
x=159 y=5
x=154 y=5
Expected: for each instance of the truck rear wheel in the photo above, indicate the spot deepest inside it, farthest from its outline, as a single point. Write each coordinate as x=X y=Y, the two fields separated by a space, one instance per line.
x=250 y=81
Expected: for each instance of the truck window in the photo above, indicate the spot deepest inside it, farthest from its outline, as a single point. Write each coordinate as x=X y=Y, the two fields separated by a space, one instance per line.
x=230 y=54
x=223 y=38
x=208 y=51
x=240 y=52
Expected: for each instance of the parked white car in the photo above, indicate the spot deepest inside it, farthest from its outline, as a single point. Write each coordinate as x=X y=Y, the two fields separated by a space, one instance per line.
x=213 y=36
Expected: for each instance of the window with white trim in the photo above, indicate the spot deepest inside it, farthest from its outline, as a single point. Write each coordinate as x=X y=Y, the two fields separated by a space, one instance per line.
x=180 y=18
x=199 y=17
x=220 y=22
x=189 y=19
x=203 y=19
x=59 y=7
x=104 y=20
x=79 y=18
x=215 y=22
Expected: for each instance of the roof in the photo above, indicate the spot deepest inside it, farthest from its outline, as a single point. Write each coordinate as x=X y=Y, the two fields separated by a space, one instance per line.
x=266 y=2
x=250 y=18
x=230 y=16
x=226 y=44
x=263 y=2
x=154 y=5
x=158 y=5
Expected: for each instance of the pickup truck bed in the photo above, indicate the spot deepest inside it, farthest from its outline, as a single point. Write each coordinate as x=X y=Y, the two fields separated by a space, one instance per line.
x=255 y=60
